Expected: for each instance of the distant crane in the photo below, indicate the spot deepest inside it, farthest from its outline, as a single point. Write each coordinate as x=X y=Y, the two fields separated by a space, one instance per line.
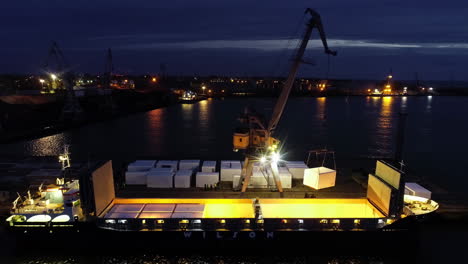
x=257 y=140
x=109 y=70
x=71 y=108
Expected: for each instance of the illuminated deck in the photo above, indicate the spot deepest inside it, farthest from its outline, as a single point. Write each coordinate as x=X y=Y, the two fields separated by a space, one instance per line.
x=240 y=208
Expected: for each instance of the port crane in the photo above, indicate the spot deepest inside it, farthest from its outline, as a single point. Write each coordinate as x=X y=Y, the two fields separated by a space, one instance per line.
x=71 y=108
x=256 y=135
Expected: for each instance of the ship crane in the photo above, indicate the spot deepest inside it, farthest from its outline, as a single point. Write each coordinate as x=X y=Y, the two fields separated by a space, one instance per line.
x=256 y=139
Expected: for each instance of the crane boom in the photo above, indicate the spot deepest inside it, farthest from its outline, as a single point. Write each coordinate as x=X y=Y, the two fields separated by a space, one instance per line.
x=316 y=22
x=256 y=140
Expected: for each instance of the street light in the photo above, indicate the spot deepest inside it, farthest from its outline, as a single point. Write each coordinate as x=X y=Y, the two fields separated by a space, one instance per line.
x=203 y=88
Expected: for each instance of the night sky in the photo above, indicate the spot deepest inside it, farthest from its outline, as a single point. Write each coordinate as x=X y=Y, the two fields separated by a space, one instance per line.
x=239 y=37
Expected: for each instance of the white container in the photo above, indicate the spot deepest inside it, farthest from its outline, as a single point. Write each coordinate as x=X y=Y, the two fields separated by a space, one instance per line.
x=135 y=177
x=207 y=178
x=160 y=178
x=192 y=165
x=229 y=168
x=168 y=164
x=257 y=181
x=415 y=189
x=141 y=165
x=182 y=178
x=150 y=163
x=209 y=166
x=286 y=181
x=319 y=178
x=296 y=168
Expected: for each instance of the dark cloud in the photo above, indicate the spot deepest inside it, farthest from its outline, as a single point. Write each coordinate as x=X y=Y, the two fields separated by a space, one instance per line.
x=238 y=37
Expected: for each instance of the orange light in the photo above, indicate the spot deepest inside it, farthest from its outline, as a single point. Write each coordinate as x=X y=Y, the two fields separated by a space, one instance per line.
x=369 y=90
x=154 y=79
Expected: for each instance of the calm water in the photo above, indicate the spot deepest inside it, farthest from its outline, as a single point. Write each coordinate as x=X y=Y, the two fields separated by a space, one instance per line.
x=436 y=132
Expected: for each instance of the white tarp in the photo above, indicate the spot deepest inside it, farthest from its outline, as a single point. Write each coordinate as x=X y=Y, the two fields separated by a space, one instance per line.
x=182 y=178
x=160 y=178
x=135 y=177
x=189 y=165
x=209 y=166
x=168 y=164
x=319 y=178
x=415 y=189
x=207 y=178
x=259 y=181
x=230 y=168
x=296 y=168
x=141 y=165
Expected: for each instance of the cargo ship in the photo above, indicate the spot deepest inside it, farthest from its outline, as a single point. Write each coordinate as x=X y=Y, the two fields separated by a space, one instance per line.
x=261 y=197
x=194 y=195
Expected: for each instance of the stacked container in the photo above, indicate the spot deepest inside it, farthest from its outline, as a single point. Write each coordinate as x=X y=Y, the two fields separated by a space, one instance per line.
x=209 y=166
x=160 y=178
x=229 y=168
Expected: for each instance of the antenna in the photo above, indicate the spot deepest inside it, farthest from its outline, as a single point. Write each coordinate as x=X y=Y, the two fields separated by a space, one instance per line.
x=15 y=202
x=65 y=157
x=402 y=164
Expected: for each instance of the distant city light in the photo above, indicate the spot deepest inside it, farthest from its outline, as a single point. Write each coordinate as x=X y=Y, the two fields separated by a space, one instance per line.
x=53 y=76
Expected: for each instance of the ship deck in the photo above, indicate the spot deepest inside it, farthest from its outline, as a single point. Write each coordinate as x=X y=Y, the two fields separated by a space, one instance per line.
x=150 y=208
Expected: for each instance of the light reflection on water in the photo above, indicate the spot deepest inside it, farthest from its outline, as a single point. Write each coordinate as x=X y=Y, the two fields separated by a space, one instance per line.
x=156 y=132
x=321 y=103
x=46 y=146
x=356 y=127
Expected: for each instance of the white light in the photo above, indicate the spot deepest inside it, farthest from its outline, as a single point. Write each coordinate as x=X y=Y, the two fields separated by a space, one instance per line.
x=53 y=76
x=430 y=88
x=41 y=81
x=263 y=159
x=405 y=88
x=275 y=157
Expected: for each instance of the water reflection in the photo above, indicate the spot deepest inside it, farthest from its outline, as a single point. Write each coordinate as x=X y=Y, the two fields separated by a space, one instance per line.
x=155 y=120
x=384 y=127
x=46 y=146
x=429 y=104
x=375 y=101
x=321 y=103
x=204 y=114
x=403 y=106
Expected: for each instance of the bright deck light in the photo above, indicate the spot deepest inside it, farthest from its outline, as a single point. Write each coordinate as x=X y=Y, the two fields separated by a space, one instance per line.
x=275 y=157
